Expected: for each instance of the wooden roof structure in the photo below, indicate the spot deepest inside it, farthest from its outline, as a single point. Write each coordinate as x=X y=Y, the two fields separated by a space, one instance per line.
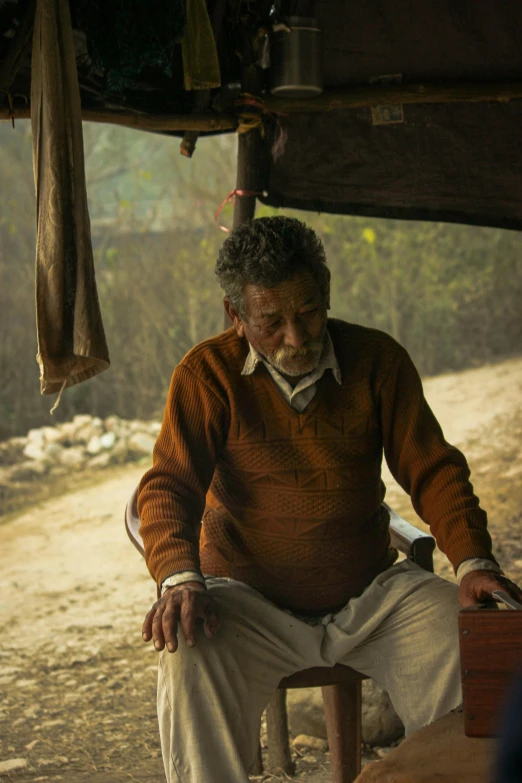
x=448 y=75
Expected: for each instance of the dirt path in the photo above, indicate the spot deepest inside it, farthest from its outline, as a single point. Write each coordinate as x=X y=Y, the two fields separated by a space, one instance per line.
x=76 y=682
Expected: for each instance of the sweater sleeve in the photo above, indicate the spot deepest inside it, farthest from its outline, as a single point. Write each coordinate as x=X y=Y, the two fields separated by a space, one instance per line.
x=171 y=495
x=434 y=473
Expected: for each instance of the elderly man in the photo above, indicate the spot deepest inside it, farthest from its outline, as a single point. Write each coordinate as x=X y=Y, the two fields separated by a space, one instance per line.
x=273 y=437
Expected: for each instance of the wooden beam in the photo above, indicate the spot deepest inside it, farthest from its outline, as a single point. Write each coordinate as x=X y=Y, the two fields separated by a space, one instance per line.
x=204 y=121
x=337 y=99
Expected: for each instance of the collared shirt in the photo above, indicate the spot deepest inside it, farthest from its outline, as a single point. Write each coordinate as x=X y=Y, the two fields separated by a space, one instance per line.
x=304 y=392
x=299 y=397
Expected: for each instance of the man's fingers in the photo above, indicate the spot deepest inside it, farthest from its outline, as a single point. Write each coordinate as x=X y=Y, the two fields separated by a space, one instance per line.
x=209 y=613
x=470 y=599
x=146 y=628
x=509 y=587
x=211 y=622
x=162 y=621
x=189 y=614
x=157 y=628
x=170 y=626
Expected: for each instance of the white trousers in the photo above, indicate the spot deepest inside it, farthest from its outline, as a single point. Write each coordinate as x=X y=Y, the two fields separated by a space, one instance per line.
x=402 y=632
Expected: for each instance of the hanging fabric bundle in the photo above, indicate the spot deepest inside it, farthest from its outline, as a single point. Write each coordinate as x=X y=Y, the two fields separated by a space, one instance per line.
x=71 y=339
x=198 y=46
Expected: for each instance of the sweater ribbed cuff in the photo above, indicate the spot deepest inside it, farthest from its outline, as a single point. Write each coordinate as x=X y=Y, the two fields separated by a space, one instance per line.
x=180 y=578
x=476 y=564
x=178 y=566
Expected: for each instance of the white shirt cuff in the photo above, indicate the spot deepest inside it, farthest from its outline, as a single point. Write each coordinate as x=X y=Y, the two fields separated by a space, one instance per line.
x=476 y=564
x=180 y=577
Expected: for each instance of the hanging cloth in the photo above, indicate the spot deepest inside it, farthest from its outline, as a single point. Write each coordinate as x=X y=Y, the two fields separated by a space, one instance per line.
x=198 y=48
x=71 y=339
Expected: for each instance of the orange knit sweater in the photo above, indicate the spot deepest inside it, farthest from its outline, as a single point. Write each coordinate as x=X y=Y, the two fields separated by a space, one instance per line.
x=291 y=502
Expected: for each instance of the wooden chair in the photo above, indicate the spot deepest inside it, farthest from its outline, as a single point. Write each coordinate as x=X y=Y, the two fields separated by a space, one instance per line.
x=341 y=685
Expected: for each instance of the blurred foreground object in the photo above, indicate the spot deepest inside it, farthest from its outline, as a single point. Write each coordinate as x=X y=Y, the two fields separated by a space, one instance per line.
x=438 y=752
x=508 y=767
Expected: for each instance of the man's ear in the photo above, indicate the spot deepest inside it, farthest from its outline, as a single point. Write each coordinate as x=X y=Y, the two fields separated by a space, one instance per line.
x=234 y=316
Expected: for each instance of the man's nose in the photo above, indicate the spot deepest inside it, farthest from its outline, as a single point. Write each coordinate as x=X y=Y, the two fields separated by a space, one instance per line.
x=295 y=335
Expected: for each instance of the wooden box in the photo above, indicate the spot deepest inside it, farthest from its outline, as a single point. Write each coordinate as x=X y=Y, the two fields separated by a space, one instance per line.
x=490 y=659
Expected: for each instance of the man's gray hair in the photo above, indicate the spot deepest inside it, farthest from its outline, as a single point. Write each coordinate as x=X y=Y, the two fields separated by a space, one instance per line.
x=268 y=251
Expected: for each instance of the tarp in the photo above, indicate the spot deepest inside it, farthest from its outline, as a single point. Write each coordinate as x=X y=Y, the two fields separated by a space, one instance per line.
x=450 y=162
x=454 y=162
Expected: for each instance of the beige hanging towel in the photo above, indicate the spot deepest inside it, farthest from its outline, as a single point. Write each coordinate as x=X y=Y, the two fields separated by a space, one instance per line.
x=71 y=339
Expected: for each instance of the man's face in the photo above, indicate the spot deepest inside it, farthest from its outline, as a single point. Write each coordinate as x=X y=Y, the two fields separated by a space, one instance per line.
x=286 y=324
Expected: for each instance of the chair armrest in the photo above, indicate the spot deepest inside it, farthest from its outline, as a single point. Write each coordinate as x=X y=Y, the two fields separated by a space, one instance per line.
x=415 y=544
x=132 y=522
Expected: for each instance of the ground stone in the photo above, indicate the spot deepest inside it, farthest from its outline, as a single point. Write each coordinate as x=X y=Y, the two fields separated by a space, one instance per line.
x=72 y=458
x=107 y=440
x=51 y=434
x=141 y=444
x=10 y=765
x=67 y=429
x=91 y=430
x=53 y=451
x=306 y=712
x=101 y=461
x=380 y=723
x=94 y=445
x=81 y=419
x=11 y=451
x=27 y=471
x=382 y=752
x=112 y=422
x=305 y=742
x=36 y=436
x=35 y=451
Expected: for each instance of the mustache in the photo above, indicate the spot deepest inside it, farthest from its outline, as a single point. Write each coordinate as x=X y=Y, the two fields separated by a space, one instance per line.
x=287 y=352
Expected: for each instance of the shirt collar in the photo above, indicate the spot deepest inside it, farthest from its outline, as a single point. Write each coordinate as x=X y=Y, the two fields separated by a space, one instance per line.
x=328 y=361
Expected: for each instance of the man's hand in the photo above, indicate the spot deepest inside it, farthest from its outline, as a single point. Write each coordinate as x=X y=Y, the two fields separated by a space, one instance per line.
x=477 y=586
x=185 y=604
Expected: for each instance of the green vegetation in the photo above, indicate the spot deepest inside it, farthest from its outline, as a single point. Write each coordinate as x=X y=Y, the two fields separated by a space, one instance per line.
x=451 y=294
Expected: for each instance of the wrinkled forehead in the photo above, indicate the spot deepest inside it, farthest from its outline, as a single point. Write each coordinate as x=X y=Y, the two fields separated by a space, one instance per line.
x=285 y=298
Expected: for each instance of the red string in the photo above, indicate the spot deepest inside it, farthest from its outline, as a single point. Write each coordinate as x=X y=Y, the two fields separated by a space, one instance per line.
x=249 y=100
x=232 y=197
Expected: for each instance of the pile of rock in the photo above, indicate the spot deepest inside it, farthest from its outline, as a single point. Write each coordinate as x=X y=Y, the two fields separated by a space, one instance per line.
x=84 y=442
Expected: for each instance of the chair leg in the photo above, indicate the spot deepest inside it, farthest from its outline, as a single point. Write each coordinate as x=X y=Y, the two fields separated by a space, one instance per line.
x=342 y=709
x=279 y=756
